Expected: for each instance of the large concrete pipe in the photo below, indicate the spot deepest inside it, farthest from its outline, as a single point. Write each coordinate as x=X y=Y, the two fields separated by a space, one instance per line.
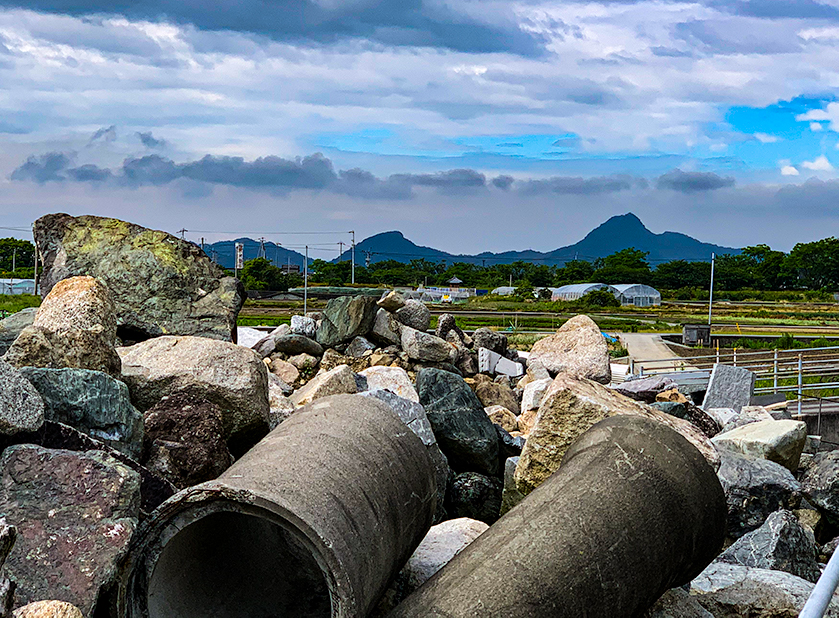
x=312 y=522
x=633 y=511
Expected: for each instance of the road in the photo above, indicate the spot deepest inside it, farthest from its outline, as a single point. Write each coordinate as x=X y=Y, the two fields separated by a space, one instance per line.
x=650 y=346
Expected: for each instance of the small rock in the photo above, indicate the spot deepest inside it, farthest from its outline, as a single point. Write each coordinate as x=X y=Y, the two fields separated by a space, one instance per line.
x=281 y=406
x=392 y=301
x=13 y=325
x=394 y=379
x=491 y=340
x=778 y=441
x=748 y=414
x=48 y=609
x=508 y=444
x=293 y=345
x=21 y=406
x=533 y=393
x=386 y=328
x=422 y=346
x=248 y=337
x=285 y=370
x=446 y=325
x=414 y=315
x=810 y=519
x=510 y=494
x=820 y=483
x=578 y=348
x=780 y=544
x=332 y=359
x=358 y=347
x=672 y=395
x=503 y=417
x=755 y=488
x=304 y=362
x=645 y=389
x=337 y=381
x=305 y=326
x=722 y=417
x=345 y=318
x=184 y=441
x=276 y=383
x=492 y=394
x=527 y=420
x=475 y=496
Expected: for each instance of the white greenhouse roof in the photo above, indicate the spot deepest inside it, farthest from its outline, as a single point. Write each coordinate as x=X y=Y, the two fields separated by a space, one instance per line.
x=580 y=288
x=637 y=289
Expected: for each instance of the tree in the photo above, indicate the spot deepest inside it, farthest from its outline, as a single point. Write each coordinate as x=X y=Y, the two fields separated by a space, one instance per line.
x=813 y=265
x=767 y=266
x=261 y=274
x=625 y=266
x=21 y=252
x=575 y=271
x=600 y=298
x=679 y=274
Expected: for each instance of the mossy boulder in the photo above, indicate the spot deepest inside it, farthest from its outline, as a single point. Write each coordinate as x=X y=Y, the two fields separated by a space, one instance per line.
x=161 y=285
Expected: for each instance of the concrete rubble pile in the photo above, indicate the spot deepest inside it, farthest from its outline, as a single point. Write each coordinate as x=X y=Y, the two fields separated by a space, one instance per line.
x=352 y=463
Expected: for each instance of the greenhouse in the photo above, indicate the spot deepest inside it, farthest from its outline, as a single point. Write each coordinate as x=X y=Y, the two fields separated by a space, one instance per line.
x=637 y=294
x=578 y=290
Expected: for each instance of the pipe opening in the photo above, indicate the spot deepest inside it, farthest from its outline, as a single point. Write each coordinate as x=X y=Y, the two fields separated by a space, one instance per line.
x=237 y=565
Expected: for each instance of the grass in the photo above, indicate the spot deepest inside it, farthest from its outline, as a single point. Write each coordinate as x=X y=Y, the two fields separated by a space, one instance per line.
x=12 y=303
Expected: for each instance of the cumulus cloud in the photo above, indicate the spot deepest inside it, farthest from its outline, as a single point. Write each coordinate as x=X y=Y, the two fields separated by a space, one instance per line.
x=819 y=164
x=765 y=138
x=789 y=170
x=693 y=182
x=105 y=134
x=149 y=141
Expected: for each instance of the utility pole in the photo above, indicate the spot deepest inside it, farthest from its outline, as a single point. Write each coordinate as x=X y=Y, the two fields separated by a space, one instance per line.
x=261 y=253
x=368 y=255
x=353 y=256
x=340 y=250
x=202 y=243
x=306 y=282
x=14 y=259
x=182 y=232
x=711 y=296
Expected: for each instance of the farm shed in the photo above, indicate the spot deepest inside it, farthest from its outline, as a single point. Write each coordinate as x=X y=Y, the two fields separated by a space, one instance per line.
x=637 y=294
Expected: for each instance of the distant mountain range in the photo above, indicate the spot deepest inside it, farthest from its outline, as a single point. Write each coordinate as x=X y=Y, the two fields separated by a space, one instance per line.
x=619 y=232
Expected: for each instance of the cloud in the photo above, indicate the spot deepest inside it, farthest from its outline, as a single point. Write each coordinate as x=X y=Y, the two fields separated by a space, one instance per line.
x=48 y=167
x=765 y=138
x=105 y=134
x=577 y=185
x=693 y=182
x=149 y=140
x=502 y=182
x=819 y=164
x=815 y=127
x=789 y=170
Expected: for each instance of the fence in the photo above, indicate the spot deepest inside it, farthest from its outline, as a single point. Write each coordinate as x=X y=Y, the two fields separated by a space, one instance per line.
x=806 y=373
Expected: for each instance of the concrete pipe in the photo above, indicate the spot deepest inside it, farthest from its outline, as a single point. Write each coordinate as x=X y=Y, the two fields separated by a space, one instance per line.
x=313 y=522
x=633 y=511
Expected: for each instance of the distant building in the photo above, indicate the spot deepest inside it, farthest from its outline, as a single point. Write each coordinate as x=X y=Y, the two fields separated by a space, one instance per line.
x=637 y=294
x=578 y=290
x=454 y=282
x=17 y=286
x=290 y=268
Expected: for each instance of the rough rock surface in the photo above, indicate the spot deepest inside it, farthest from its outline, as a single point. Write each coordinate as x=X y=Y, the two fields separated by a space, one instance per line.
x=184 y=441
x=577 y=348
x=48 y=609
x=284 y=370
x=755 y=488
x=446 y=324
x=21 y=406
x=534 y=391
x=93 y=402
x=734 y=591
x=678 y=603
x=672 y=395
x=75 y=514
x=232 y=377
x=161 y=285
x=569 y=408
x=345 y=318
x=392 y=301
x=337 y=381
x=510 y=494
x=645 y=389
x=778 y=441
x=503 y=417
x=494 y=394
x=748 y=414
x=729 y=387
x=75 y=326
x=304 y=362
x=304 y=325
x=691 y=413
x=248 y=337
x=475 y=496
x=780 y=544
x=332 y=359
x=491 y=340
x=422 y=346
x=13 y=325
x=415 y=315
x=386 y=329
x=281 y=406
x=358 y=347
x=463 y=430
x=820 y=483
x=293 y=345
x=394 y=379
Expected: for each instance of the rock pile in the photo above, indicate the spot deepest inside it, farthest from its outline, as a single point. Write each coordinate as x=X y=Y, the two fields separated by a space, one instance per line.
x=95 y=434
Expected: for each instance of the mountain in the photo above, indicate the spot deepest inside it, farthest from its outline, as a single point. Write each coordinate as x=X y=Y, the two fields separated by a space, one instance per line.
x=223 y=252
x=619 y=232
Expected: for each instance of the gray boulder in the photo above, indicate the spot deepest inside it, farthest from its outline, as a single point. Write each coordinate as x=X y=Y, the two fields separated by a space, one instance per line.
x=494 y=394
x=645 y=389
x=735 y=591
x=577 y=348
x=386 y=329
x=755 y=488
x=75 y=513
x=392 y=301
x=92 y=402
x=415 y=315
x=345 y=318
x=510 y=494
x=75 y=326
x=358 y=347
x=729 y=387
x=160 y=284
x=820 y=483
x=425 y=347
x=780 y=544
x=292 y=345
x=339 y=380
x=13 y=325
x=232 y=377
x=303 y=325
x=475 y=496
x=463 y=430
x=21 y=406
x=446 y=324
x=491 y=340
x=778 y=441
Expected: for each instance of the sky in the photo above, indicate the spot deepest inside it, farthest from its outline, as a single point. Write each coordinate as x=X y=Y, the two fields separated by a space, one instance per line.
x=468 y=125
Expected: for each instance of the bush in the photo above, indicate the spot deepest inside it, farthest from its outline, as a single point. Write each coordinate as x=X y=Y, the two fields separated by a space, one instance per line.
x=600 y=298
